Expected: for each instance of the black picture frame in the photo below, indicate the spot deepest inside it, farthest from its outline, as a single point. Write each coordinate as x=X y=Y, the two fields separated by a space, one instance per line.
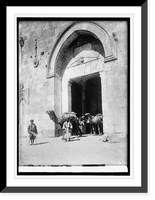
x=144 y=135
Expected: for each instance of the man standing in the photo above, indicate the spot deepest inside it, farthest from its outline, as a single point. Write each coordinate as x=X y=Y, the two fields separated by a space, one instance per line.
x=32 y=130
x=67 y=125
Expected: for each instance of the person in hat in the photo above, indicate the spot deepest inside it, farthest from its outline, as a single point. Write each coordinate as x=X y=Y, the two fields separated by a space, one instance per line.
x=67 y=125
x=32 y=130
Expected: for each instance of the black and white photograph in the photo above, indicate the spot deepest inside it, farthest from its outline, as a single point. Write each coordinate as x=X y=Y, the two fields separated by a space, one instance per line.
x=76 y=99
x=73 y=95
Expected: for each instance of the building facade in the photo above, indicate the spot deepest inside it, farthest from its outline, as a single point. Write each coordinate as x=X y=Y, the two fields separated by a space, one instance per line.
x=79 y=66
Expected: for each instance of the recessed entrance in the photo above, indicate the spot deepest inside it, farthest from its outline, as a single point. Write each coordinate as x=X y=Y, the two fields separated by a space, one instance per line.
x=86 y=96
x=76 y=91
x=82 y=50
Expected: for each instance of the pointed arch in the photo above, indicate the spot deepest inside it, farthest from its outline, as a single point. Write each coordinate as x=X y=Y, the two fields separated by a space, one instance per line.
x=61 y=54
x=70 y=34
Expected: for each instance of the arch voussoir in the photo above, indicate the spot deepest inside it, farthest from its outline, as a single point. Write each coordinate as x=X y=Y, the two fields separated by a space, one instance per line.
x=70 y=35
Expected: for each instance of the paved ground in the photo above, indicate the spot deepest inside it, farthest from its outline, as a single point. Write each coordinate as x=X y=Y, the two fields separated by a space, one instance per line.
x=88 y=149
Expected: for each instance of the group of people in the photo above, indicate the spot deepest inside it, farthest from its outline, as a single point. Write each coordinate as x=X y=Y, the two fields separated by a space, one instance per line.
x=33 y=132
x=84 y=123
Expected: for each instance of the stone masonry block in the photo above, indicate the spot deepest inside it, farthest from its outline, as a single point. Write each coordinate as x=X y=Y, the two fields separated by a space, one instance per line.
x=120 y=119
x=120 y=111
x=44 y=32
x=113 y=138
x=122 y=81
x=124 y=102
x=46 y=36
x=52 y=34
x=123 y=71
x=48 y=133
x=107 y=68
x=118 y=103
x=43 y=44
x=120 y=93
x=52 y=26
x=50 y=40
x=109 y=81
x=115 y=82
x=120 y=128
x=108 y=129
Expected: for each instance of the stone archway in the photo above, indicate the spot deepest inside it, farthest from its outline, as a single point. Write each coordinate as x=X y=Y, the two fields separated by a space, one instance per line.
x=86 y=65
x=70 y=34
x=82 y=45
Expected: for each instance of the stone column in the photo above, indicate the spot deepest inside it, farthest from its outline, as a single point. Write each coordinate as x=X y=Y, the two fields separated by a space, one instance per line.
x=103 y=94
x=83 y=98
x=57 y=94
x=69 y=96
x=57 y=100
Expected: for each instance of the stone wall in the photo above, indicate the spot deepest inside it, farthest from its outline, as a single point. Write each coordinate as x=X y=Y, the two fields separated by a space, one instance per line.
x=39 y=39
x=41 y=90
x=115 y=81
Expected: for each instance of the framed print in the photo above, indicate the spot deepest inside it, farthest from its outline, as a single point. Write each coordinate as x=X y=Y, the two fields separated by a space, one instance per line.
x=76 y=99
x=82 y=91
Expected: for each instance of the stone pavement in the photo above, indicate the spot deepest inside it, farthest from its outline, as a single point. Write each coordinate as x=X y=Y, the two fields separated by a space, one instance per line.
x=88 y=149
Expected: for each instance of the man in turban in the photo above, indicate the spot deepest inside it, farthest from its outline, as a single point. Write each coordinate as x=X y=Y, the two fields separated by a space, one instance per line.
x=32 y=130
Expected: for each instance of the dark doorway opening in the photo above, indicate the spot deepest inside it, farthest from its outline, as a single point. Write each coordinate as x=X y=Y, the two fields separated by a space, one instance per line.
x=93 y=101
x=86 y=96
x=77 y=98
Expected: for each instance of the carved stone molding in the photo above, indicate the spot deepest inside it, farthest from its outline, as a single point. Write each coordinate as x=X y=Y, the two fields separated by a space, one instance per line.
x=70 y=34
x=21 y=42
x=23 y=93
x=35 y=62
